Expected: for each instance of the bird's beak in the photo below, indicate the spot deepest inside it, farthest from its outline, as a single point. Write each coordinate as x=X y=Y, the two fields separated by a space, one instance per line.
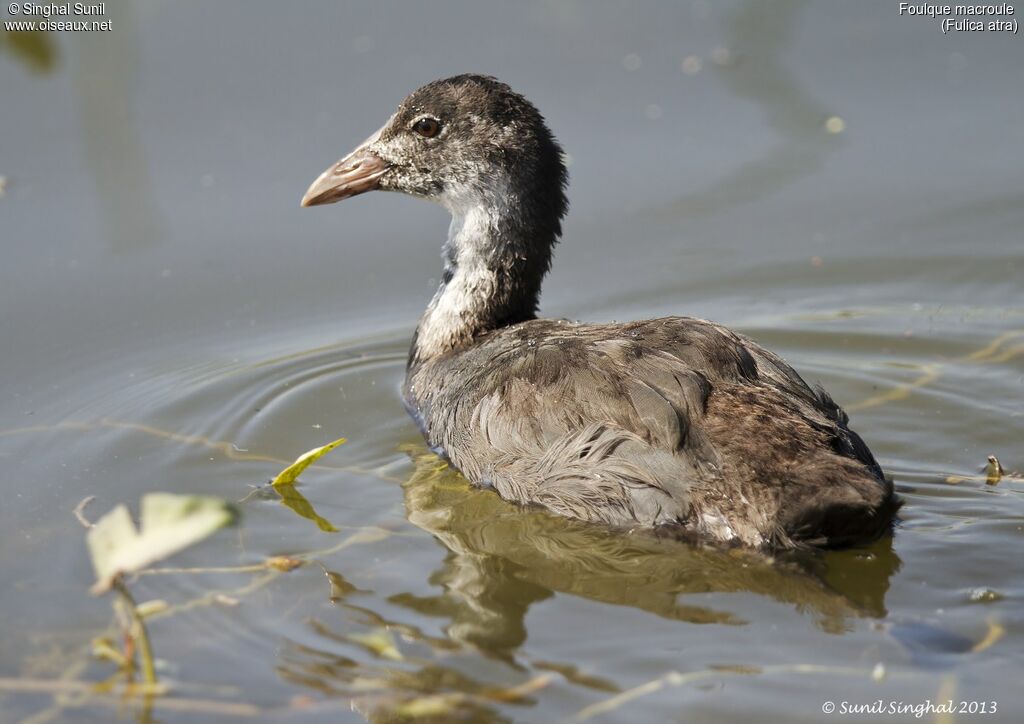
x=357 y=173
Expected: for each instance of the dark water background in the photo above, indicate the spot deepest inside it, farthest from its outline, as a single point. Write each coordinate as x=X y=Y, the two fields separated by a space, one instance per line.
x=841 y=183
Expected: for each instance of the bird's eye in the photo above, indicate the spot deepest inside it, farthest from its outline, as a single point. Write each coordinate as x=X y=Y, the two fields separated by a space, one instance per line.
x=427 y=127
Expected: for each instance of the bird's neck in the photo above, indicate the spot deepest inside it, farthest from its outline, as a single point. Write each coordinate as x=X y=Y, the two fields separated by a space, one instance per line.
x=494 y=261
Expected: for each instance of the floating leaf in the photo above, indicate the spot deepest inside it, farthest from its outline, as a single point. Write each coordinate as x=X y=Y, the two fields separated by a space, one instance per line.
x=291 y=473
x=993 y=470
x=284 y=484
x=283 y=563
x=169 y=523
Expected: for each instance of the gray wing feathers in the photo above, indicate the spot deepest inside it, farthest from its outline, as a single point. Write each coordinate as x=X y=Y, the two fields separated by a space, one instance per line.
x=573 y=446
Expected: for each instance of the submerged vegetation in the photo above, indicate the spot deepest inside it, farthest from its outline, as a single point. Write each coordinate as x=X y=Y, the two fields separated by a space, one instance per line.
x=169 y=523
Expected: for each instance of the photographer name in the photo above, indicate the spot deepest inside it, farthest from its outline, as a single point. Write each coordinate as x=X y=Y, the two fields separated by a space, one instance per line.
x=54 y=10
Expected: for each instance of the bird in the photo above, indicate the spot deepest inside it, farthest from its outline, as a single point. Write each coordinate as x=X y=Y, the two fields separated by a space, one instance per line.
x=675 y=425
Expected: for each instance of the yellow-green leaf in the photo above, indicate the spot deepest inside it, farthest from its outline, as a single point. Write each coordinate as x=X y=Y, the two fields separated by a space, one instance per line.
x=291 y=473
x=168 y=523
x=284 y=484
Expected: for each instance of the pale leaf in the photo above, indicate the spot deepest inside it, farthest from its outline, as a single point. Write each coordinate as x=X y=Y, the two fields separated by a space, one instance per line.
x=169 y=523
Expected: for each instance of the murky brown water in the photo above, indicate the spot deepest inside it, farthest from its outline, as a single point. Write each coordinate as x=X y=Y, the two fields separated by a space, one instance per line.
x=171 y=320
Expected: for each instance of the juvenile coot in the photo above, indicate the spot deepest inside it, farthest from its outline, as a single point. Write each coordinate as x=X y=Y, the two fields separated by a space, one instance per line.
x=675 y=423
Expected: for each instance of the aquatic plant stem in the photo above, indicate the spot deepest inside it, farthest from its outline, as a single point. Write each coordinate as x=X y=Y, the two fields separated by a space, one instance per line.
x=138 y=632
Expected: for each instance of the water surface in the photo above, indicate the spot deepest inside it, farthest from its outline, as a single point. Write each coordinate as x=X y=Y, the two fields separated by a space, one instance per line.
x=172 y=320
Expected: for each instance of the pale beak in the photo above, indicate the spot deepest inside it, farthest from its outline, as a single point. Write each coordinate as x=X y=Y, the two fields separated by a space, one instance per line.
x=357 y=173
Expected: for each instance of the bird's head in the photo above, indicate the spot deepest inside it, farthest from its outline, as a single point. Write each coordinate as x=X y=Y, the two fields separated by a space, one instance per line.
x=461 y=141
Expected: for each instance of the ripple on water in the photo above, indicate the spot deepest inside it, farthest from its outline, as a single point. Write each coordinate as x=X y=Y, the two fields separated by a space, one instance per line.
x=474 y=591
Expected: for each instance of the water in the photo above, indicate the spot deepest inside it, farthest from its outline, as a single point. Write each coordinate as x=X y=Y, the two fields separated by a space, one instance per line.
x=172 y=320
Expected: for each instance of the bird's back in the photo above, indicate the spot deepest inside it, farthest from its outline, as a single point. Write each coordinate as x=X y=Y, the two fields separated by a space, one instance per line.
x=672 y=423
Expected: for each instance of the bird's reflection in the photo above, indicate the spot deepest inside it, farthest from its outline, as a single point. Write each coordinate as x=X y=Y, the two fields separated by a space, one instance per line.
x=503 y=558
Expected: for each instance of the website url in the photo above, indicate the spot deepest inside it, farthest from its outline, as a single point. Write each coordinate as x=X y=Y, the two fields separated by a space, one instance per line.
x=55 y=25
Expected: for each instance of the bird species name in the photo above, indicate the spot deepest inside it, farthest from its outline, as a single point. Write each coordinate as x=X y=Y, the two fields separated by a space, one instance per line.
x=934 y=11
